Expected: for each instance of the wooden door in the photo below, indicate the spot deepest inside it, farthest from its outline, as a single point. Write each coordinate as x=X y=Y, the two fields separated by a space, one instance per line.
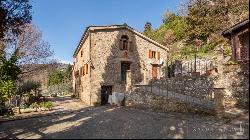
x=106 y=91
x=124 y=67
x=154 y=71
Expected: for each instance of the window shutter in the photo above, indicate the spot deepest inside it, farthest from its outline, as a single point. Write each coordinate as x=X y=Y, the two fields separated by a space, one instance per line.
x=86 y=69
x=149 y=54
x=158 y=55
x=83 y=70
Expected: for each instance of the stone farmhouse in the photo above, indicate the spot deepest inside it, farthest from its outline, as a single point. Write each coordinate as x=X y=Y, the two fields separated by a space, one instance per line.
x=110 y=58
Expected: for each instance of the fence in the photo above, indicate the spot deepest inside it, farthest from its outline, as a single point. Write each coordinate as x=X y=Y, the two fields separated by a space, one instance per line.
x=201 y=65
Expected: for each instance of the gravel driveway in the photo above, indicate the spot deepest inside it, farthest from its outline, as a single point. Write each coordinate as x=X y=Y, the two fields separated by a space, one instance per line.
x=123 y=122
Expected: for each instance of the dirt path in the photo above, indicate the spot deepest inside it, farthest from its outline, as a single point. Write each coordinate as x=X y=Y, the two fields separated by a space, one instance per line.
x=121 y=122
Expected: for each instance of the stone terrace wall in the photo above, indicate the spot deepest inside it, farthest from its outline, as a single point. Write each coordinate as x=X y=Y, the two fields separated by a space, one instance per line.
x=161 y=103
x=200 y=86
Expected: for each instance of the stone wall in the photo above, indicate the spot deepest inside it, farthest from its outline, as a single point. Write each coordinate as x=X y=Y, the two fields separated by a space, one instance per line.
x=199 y=86
x=106 y=57
x=81 y=83
x=161 y=103
x=235 y=80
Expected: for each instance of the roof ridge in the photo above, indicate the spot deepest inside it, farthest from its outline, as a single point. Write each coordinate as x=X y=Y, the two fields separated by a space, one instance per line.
x=107 y=25
x=120 y=25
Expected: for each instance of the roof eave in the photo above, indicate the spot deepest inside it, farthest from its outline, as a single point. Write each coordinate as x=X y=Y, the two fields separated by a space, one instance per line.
x=235 y=27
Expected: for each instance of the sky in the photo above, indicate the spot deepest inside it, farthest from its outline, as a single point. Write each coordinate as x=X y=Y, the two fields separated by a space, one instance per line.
x=63 y=22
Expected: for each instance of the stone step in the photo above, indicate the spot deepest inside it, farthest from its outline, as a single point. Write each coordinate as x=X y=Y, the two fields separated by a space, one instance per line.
x=233 y=112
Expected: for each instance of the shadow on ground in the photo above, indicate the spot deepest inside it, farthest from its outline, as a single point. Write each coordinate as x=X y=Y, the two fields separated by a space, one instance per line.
x=120 y=122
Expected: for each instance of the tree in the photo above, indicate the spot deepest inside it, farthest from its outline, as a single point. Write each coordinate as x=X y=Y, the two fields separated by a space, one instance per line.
x=56 y=77
x=147 y=27
x=13 y=14
x=208 y=17
x=30 y=47
x=8 y=67
x=7 y=89
x=8 y=75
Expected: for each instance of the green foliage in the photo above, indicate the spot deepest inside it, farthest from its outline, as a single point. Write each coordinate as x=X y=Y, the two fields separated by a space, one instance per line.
x=59 y=81
x=207 y=48
x=148 y=27
x=35 y=105
x=60 y=76
x=170 y=31
x=204 y=22
x=177 y=24
x=7 y=89
x=232 y=62
x=227 y=51
x=24 y=106
x=29 y=86
x=48 y=105
x=56 y=77
x=8 y=67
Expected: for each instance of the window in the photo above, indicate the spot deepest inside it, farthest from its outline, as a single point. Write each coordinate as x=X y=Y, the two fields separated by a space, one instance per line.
x=81 y=53
x=153 y=54
x=124 y=42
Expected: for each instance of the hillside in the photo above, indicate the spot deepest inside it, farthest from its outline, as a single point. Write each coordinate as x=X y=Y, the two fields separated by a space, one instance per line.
x=198 y=30
x=40 y=72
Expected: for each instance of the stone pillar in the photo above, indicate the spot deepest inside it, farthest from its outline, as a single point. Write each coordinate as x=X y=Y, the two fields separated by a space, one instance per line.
x=128 y=81
x=219 y=94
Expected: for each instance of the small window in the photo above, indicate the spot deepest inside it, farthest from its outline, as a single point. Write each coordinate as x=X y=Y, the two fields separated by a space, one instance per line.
x=124 y=42
x=81 y=53
x=153 y=54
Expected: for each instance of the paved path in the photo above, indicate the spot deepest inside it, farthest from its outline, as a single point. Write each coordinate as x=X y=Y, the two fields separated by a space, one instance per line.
x=123 y=122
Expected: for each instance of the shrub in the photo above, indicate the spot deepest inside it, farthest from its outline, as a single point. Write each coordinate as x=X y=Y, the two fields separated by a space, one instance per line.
x=231 y=62
x=48 y=105
x=23 y=106
x=35 y=105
